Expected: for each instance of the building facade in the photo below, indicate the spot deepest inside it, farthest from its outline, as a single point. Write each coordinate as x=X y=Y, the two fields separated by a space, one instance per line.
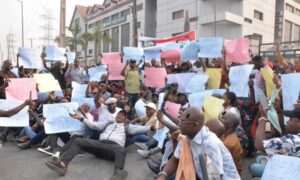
x=287 y=21
x=262 y=21
x=115 y=18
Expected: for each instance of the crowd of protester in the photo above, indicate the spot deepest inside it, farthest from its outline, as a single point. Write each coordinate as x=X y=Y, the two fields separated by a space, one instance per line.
x=194 y=149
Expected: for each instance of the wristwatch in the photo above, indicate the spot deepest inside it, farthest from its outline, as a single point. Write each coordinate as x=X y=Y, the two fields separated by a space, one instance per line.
x=162 y=173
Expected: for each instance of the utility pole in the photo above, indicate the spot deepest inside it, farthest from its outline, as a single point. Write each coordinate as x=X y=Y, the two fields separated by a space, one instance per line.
x=215 y=16
x=48 y=27
x=10 y=47
x=62 y=28
x=31 y=42
x=20 y=1
x=134 y=24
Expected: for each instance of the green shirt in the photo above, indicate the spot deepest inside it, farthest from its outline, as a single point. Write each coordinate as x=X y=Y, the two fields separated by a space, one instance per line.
x=132 y=81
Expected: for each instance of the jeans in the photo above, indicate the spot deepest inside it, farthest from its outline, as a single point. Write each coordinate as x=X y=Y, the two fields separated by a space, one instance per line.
x=137 y=138
x=104 y=149
x=257 y=169
x=28 y=132
x=38 y=137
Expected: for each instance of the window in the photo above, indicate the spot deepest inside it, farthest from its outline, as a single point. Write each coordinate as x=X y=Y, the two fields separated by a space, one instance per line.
x=115 y=39
x=91 y=26
x=248 y=20
x=296 y=33
x=106 y=43
x=288 y=31
x=177 y=14
x=125 y=34
x=138 y=25
x=297 y=12
x=90 y=51
x=289 y=8
x=125 y=12
x=107 y=5
x=258 y=15
x=193 y=19
x=77 y=21
x=115 y=16
x=139 y=7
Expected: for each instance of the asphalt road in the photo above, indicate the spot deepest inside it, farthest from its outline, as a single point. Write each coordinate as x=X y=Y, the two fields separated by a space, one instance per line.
x=16 y=164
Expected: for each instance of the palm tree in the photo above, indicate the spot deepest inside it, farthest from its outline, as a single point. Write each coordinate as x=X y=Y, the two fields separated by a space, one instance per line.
x=98 y=36
x=75 y=31
x=84 y=41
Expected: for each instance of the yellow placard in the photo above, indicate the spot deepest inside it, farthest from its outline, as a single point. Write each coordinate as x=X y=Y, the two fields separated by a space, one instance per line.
x=215 y=76
x=212 y=107
x=46 y=82
x=268 y=76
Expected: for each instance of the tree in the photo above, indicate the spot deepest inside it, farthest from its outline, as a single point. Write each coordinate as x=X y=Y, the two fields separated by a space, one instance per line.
x=98 y=36
x=75 y=39
x=84 y=41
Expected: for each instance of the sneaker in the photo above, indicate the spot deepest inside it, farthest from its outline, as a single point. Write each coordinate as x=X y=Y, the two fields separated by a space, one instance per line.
x=154 y=165
x=120 y=175
x=56 y=167
x=25 y=145
x=142 y=146
x=47 y=150
x=81 y=153
x=143 y=153
x=55 y=156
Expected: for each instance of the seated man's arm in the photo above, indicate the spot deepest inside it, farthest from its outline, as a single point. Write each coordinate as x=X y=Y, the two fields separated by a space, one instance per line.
x=138 y=129
x=15 y=110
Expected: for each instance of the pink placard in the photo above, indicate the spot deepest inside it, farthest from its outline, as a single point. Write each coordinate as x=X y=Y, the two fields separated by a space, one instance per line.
x=172 y=108
x=111 y=58
x=115 y=71
x=171 y=56
x=155 y=77
x=20 y=88
x=238 y=50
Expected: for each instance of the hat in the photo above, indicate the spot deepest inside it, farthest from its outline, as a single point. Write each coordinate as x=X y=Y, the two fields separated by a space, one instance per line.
x=293 y=113
x=151 y=105
x=110 y=101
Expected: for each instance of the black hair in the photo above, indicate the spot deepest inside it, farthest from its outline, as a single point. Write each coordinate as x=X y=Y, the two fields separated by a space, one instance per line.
x=232 y=97
x=257 y=58
x=124 y=112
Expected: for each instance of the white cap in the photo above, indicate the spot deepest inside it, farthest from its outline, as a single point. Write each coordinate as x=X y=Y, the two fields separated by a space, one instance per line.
x=111 y=101
x=151 y=105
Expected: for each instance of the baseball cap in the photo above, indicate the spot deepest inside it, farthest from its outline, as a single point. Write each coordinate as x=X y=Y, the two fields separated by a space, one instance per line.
x=151 y=105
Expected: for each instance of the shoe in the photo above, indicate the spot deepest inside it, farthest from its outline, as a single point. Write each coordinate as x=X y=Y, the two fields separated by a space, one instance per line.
x=23 y=139
x=48 y=150
x=154 y=165
x=120 y=175
x=142 y=146
x=143 y=153
x=55 y=156
x=56 y=167
x=81 y=153
x=25 y=145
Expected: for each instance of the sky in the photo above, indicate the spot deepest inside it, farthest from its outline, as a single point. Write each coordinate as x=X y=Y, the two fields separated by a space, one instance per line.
x=10 y=18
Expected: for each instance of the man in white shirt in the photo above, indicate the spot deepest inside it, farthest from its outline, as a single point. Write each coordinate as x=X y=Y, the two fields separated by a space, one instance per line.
x=111 y=144
x=203 y=143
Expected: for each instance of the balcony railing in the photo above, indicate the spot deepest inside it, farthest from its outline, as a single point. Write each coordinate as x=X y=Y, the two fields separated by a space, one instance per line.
x=115 y=21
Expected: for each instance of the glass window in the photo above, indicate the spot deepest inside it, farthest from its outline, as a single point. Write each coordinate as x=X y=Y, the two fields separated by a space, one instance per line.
x=90 y=51
x=288 y=31
x=125 y=12
x=296 y=33
x=258 y=15
x=177 y=14
x=289 y=8
x=139 y=7
x=106 y=43
x=115 y=16
x=125 y=35
x=115 y=39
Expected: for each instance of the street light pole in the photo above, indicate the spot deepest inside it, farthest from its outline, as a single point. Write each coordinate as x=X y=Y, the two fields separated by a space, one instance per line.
x=215 y=17
x=20 y=1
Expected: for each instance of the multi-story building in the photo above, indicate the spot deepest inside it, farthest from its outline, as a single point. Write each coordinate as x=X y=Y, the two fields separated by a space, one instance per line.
x=287 y=21
x=115 y=17
x=261 y=21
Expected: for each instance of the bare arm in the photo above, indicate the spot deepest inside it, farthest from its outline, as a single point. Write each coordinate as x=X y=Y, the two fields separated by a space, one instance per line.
x=170 y=168
x=44 y=62
x=280 y=58
x=170 y=126
x=174 y=119
x=15 y=110
x=124 y=69
x=260 y=131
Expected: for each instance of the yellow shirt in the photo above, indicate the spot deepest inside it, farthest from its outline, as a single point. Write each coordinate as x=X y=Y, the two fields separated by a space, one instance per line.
x=132 y=81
